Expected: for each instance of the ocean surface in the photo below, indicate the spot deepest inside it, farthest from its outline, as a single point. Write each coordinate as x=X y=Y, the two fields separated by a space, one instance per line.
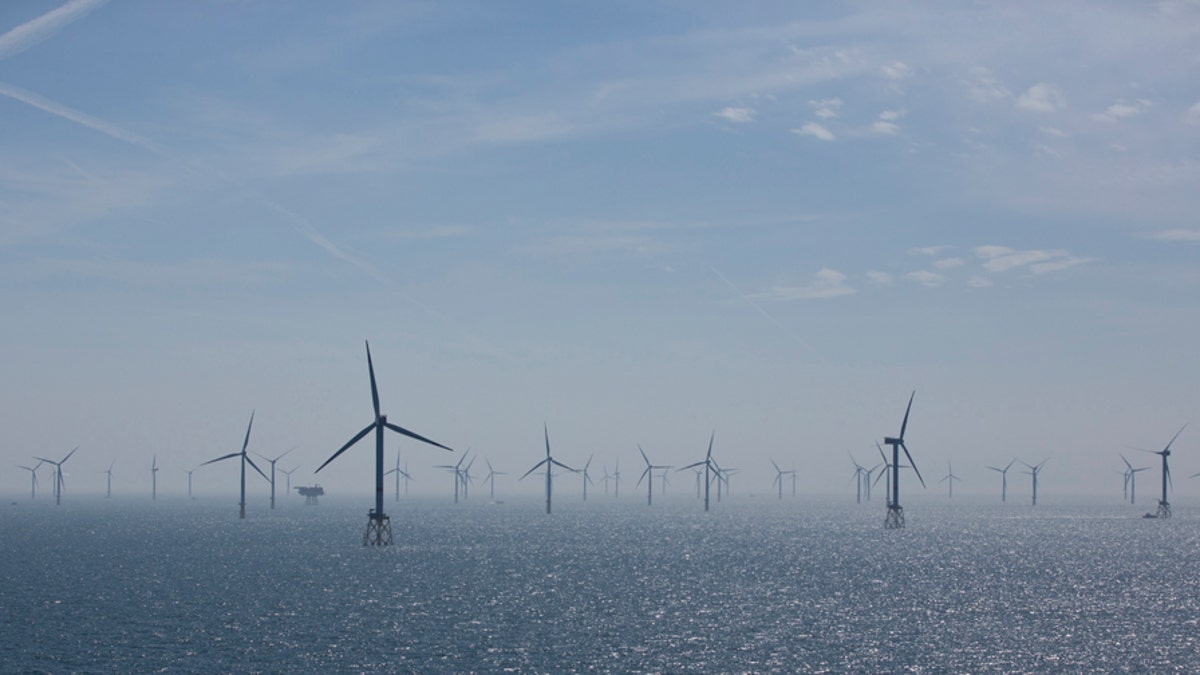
x=756 y=585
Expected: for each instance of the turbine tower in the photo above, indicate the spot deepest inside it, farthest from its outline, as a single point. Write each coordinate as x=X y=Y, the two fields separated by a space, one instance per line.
x=950 y=478
x=286 y=473
x=710 y=469
x=895 y=515
x=153 y=478
x=108 y=492
x=245 y=458
x=400 y=473
x=1034 y=471
x=1164 y=506
x=617 y=480
x=549 y=463
x=272 y=479
x=649 y=473
x=491 y=478
x=586 y=477
x=379 y=526
x=1131 y=479
x=1003 y=479
x=457 y=470
x=59 y=483
x=189 y=473
x=33 y=478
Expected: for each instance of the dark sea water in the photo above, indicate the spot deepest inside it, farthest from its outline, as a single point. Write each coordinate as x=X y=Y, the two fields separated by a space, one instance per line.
x=753 y=586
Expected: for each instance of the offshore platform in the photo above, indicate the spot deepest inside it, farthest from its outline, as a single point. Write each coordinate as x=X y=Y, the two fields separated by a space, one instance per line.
x=310 y=493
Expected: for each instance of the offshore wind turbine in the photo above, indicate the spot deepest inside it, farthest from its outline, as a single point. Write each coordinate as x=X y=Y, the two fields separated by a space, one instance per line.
x=1003 y=479
x=950 y=478
x=379 y=526
x=491 y=479
x=272 y=478
x=860 y=472
x=189 y=473
x=1164 y=506
x=456 y=469
x=587 y=478
x=779 y=474
x=108 y=492
x=399 y=472
x=154 y=478
x=895 y=515
x=649 y=472
x=663 y=477
x=1131 y=479
x=710 y=469
x=284 y=472
x=59 y=483
x=33 y=478
x=1034 y=471
x=549 y=463
x=244 y=460
x=617 y=480
x=607 y=477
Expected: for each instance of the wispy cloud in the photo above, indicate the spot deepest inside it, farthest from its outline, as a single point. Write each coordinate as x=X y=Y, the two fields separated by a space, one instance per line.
x=433 y=232
x=815 y=130
x=32 y=32
x=828 y=283
x=879 y=278
x=949 y=263
x=1038 y=261
x=926 y=278
x=1175 y=235
x=927 y=250
x=736 y=115
x=1043 y=98
x=885 y=123
x=1193 y=114
x=1122 y=110
x=827 y=108
x=45 y=104
x=983 y=87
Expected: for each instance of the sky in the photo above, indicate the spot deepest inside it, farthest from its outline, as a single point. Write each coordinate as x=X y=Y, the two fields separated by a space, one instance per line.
x=632 y=222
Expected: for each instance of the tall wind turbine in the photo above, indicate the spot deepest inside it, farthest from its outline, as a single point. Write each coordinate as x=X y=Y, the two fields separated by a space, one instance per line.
x=399 y=474
x=33 y=478
x=189 y=473
x=379 y=526
x=860 y=474
x=108 y=492
x=272 y=479
x=491 y=478
x=287 y=473
x=549 y=463
x=587 y=478
x=607 y=477
x=617 y=480
x=244 y=460
x=648 y=473
x=1131 y=479
x=895 y=516
x=779 y=474
x=1034 y=471
x=59 y=483
x=1003 y=479
x=950 y=478
x=154 y=478
x=1164 y=506
x=710 y=468
x=457 y=470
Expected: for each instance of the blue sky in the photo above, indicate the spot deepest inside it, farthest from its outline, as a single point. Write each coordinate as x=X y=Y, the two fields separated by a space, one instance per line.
x=634 y=221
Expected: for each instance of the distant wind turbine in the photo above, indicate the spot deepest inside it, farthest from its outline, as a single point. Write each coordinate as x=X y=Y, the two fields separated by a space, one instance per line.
x=710 y=468
x=457 y=470
x=895 y=516
x=779 y=474
x=549 y=463
x=154 y=478
x=1003 y=479
x=108 y=492
x=1131 y=479
x=244 y=460
x=272 y=478
x=1034 y=471
x=1164 y=506
x=586 y=477
x=33 y=478
x=400 y=473
x=950 y=478
x=59 y=483
x=189 y=473
x=648 y=473
x=617 y=480
x=379 y=526
x=287 y=473
x=491 y=479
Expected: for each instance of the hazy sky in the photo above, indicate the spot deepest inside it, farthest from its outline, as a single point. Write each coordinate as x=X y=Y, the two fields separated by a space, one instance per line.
x=636 y=222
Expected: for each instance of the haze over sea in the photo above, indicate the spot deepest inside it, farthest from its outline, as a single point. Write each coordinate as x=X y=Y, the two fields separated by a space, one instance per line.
x=756 y=585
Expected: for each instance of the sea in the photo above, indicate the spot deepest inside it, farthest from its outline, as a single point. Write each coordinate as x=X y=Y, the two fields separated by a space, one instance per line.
x=805 y=585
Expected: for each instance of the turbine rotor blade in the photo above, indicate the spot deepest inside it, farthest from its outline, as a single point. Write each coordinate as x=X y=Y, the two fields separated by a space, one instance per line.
x=229 y=456
x=406 y=432
x=64 y=459
x=904 y=424
x=1164 y=449
x=374 y=389
x=248 y=427
x=914 y=464
x=357 y=437
x=260 y=472
x=535 y=468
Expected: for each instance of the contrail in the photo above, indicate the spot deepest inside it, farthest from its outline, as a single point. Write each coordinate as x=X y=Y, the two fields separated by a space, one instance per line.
x=766 y=314
x=32 y=32
x=42 y=103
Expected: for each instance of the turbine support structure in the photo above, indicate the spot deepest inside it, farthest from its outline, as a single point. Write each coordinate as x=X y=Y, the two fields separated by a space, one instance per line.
x=379 y=529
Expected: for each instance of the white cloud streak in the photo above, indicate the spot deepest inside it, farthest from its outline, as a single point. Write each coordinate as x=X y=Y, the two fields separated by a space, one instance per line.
x=42 y=103
x=816 y=131
x=828 y=283
x=33 y=32
x=736 y=115
x=1042 y=98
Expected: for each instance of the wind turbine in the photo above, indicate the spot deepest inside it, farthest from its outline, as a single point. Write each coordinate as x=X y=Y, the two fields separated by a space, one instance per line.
x=33 y=478
x=272 y=479
x=587 y=478
x=399 y=473
x=1131 y=479
x=379 y=526
x=466 y=476
x=779 y=474
x=617 y=480
x=1034 y=471
x=491 y=478
x=606 y=479
x=59 y=483
x=189 y=473
x=950 y=478
x=648 y=473
x=549 y=463
x=108 y=492
x=1164 y=506
x=286 y=473
x=860 y=473
x=710 y=468
x=1003 y=479
x=895 y=516
x=153 y=478
x=663 y=476
x=245 y=458
x=456 y=469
